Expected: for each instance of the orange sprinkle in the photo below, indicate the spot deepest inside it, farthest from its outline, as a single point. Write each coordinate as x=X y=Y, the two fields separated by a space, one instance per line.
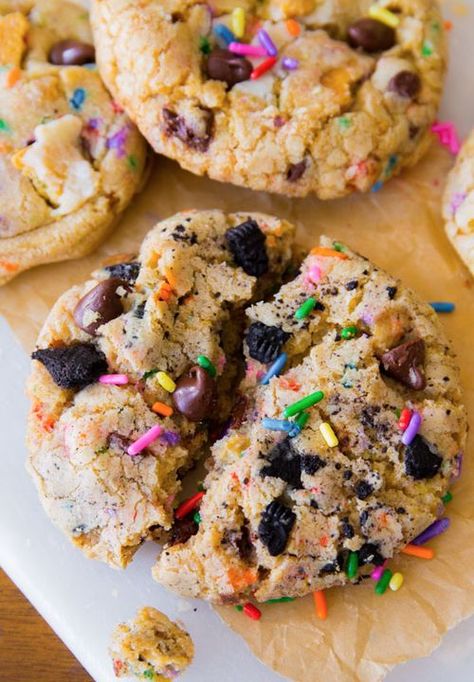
x=324 y=541
x=161 y=408
x=320 y=604
x=324 y=251
x=420 y=552
x=293 y=27
x=164 y=292
x=171 y=279
x=12 y=77
x=448 y=25
x=290 y=384
x=235 y=477
x=240 y=579
x=9 y=267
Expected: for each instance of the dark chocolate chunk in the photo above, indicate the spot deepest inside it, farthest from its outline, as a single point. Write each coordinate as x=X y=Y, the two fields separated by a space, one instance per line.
x=405 y=364
x=182 y=530
x=371 y=35
x=275 y=527
x=265 y=342
x=406 y=84
x=247 y=244
x=127 y=271
x=196 y=136
x=296 y=171
x=420 y=460
x=224 y=65
x=73 y=366
x=242 y=542
x=71 y=53
x=195 y=394
x=100 y=305
x=363 y=489
x=369 y=554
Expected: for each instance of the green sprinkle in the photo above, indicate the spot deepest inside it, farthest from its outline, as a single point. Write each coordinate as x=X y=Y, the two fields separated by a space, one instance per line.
x=352 y=565
x=398 y=413
x=382 y=584
x=149 y=674
x=427 y=49
x=447 y=498
x=278 y=601
x=302 y=404
x=197 y=518
x=349 y=332
x=301 y=419
x=4 y=127
x=200 y=487
x=343 y=122
x=338 y=246
x=239 y=607
x=206 y=364
x=306 y=308
x=149 y=374
x=132 y=162
x=204 y=45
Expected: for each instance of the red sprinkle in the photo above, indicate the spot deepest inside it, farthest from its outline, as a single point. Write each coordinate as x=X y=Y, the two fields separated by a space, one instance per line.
x=251 y=611
x=189 y=505
x=263 y=68
x=404 y=419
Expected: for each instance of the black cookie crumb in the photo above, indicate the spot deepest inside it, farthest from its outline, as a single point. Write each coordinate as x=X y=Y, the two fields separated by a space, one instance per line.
x=369 y=554
x=127 y=271
x=72 y=366
x=247 y=244
x=265 y=342
x=275 y=527
x=363 y=489
x=420 y=460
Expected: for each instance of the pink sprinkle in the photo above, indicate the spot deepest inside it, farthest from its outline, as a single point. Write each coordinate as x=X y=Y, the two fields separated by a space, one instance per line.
x=447 y=135
x=457 y=200
x=251 y=50
x=412 y=428
x=145 y=440
x=115 y=379
x=314 y=274
x=377 y=572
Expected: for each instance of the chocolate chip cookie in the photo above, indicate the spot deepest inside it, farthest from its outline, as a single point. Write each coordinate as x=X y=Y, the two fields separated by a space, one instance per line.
x=351 y=432
x=70 y=158
x=288 y=97
x=133 y=369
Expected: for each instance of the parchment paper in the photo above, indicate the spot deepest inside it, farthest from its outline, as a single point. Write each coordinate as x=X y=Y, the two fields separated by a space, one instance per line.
x=400 y=229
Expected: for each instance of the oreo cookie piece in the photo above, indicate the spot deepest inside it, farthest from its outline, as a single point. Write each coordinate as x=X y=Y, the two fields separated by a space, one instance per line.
x=265 y=342
x=275 y=527
x=369 y=554
x=127 y=271
x=285 y=463
x=420 y=460
x=72 y=366
x=247 y=244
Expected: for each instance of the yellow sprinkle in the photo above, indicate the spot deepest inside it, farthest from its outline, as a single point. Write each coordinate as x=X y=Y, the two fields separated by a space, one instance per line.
x=238 y=22
x=166 y=381
x=328 y=434
x=384 y=15
x=396 y=581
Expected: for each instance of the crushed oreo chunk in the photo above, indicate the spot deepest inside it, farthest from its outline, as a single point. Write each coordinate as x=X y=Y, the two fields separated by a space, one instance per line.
x=265 y=342
x=353 y=284
x=247 y=244
x=369 y=554
x=363 y=489
x=126 y=271
x=275 y=527
x=196 y=135
x=73 y=366
x=420 y=460
x=347 y=528
x=392 y=292
x=285 y=463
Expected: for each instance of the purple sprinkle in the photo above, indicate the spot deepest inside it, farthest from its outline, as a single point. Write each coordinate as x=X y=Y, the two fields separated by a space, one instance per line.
x=93 y=123
x=267 y=43
x=457 y=467
x=118 y=141
x=412 y=428
x=456 y=201
x=289 y=63
x=436 y=528
x=170 y=437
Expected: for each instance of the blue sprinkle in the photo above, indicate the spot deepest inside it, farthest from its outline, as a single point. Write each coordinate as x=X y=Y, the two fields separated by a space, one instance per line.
x=378 y=185
x=443 y=306
x=277 y=424
x=225 y=34
x=78 y=98
x=295 y=431
x=275 y=369
x=392 y=162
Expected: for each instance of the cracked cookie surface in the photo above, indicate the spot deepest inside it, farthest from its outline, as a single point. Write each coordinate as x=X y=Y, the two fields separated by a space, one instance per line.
x=284 y=510
x=70 y=158
x=347 y=104
x=147 y=321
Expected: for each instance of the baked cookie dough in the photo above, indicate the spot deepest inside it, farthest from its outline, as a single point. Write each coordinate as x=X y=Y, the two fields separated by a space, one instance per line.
x=348 y=102
x=150 y=647
x=285 y=511
x=145 y=322
x=70 y=158
x=458 y=204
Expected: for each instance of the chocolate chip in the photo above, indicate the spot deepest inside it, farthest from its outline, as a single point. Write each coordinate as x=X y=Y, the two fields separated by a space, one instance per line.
x=406 y=84
x=195 y=394
x=223 y=65
x=353 y=284
x=247 y=245
x=73 y=366
x=363 y=489
x=296 y=171
x=100 y=305
x=265 y=342
x=71 y=53
x=405 y=364
x=127 y=271
x=420 y=460
x=369 y=554
x=182 y=530
x=196 y=137
x=275 y=527
x=371 y=35
x=392 y=292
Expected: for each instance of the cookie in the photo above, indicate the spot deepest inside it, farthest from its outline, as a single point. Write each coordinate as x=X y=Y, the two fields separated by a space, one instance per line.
x=458 y=204
x=145 y=348
x=346 y=102
x=70 y=159
x=150 y=647
x=316 y=472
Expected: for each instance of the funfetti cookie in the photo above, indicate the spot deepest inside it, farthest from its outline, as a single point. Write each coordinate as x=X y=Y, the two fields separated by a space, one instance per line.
x=288 y=97
x=351 y=434
x=133 y=366
x=70 y=159
x=458 y=204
